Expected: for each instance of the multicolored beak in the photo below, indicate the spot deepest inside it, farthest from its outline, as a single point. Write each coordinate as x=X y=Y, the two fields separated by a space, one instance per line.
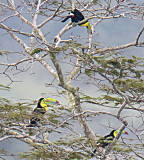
x=50 y=101
x=57 y=102
x=71 y=15
x=66 y=18
x=125 y=132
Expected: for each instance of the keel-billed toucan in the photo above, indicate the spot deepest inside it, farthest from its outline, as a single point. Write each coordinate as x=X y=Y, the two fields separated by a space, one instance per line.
x=42 y=107
x=76 y=16
x=106 y=140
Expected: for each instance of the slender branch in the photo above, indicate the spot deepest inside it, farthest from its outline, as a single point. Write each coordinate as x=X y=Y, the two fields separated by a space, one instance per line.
x=139 y=36
x=73 y=72
x=47 y=66
x=57 y=39
x=13 y=30
x=51 y=17
x=122 y=106
x=8 y=7
x=31 y=140
x=116 y=48
x=26 y=48
x=15 y=64
x=6 y=18
x=73 y=5
x=29 y=23
x=34 y=22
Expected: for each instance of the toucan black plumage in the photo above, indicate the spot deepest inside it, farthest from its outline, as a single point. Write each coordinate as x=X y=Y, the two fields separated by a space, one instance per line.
x=76 y=16
x=42 y=107
x=106 y=140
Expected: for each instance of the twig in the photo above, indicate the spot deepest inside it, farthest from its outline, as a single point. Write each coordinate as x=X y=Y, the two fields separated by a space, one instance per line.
x=51 y=17
x=139 y=36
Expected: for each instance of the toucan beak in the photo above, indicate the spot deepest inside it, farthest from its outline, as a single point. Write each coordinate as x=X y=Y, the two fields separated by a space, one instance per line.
x=57 y=102
x=66 y=18
x=126 y=132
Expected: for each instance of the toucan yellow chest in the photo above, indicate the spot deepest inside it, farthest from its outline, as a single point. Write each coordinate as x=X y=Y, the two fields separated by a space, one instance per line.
x=44 y=106
x=115 y=134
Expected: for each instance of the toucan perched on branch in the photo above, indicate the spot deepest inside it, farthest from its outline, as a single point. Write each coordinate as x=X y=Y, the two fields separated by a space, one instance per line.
x=76 y=16
x=106 y=140
x=42 y=107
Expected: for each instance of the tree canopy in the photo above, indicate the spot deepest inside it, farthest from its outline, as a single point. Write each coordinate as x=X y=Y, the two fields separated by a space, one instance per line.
x=99 y=87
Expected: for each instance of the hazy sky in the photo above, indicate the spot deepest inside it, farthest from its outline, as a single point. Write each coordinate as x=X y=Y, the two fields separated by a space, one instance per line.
x=112 y=32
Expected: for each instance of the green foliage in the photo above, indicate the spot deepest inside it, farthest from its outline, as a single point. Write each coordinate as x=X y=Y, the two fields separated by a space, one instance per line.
x=111 y=63
x=122 y=149
x=87 y=97
x=14 y=113
x=36 y=50
x=95 y=1
x=101 y=70
x=3 y=152
x=53 y=2
x=4 y=101
x=70 y=45
x=45 y=151
x=110 y=98
x=74 y=142
x=3 y=87
x=53 y=117
x=3 y=52
x=108 y=71
x=88 y=72
x=130 y=85
x=127 y=72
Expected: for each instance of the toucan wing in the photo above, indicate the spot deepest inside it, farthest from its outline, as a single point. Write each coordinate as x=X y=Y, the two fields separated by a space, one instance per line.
x=78 y=14
x=37 y=113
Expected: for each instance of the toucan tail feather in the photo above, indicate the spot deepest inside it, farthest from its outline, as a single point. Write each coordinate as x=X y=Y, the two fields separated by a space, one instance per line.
x=89 y=28
x=93 y=153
